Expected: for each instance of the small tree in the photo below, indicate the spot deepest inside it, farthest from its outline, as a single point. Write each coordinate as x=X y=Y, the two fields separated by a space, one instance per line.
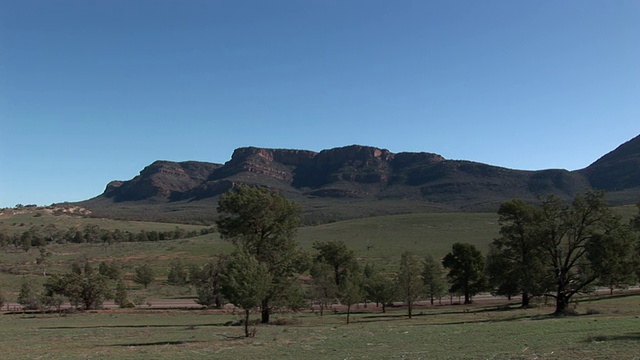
x=177 y=276
x=323 y=285
x=28 y=296
x=206 y=279
x=351 y=292
x=245 y=283
x=120 y=297
x=433 y=278
x=466 y=270
x=380 y=289
x=336 y=254
x=409 y=281
x=110 y=269
x=144 y=275
x=43 y=259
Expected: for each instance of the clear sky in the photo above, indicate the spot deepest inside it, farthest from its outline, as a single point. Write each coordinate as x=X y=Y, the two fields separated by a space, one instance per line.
x=93 y=91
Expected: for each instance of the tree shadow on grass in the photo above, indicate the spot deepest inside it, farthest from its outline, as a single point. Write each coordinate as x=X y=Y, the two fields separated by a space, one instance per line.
x=488 y=309
x=158 y=343
x=189 y=327
x=468 y=317
x=627 y=337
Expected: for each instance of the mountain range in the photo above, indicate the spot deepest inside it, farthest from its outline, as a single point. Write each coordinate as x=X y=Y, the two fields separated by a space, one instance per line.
x=356 y=181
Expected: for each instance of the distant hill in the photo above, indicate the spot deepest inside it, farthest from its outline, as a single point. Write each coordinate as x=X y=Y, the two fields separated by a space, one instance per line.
x=356 y=181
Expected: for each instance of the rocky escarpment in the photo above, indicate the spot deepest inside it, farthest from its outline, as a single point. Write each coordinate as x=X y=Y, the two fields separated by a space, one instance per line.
x=340 y=176
x=161 y=180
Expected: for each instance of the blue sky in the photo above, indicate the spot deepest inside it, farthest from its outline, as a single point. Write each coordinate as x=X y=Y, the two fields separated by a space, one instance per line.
x=93 y=91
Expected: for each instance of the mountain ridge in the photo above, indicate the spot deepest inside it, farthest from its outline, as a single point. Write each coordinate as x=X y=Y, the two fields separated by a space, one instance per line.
x=332 y=181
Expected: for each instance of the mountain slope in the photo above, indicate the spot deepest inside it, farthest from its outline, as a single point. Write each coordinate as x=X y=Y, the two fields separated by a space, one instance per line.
x=356 y=181
x=617 y=170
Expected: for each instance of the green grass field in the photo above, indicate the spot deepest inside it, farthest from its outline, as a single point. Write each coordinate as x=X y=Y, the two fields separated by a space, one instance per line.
x=379 y=240
x=605 y=329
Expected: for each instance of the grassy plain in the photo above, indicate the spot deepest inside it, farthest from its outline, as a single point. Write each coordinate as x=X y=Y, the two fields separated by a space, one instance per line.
x=379 y=240
x=606 y=329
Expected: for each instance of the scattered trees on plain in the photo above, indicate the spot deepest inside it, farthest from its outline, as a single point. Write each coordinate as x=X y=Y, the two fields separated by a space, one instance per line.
x=39 y=236
x=82 y=285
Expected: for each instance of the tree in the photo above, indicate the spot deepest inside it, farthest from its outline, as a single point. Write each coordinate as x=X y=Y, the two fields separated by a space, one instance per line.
x=120 y=297
x=81 y=285
x=433 y=278
x=466 y=270
x=245 y=283
x=502 y=280
x=336 y=254
x=516 y=260
x=409 y=281
x=612 y=258
x=43 y=259
x=323 y=286
x=351 y=292
x=579 y=241
x=207 y=281
x=28 y=296
x=110 y=270
x=379 y=288
x=263 y=224
x=177 y=275
x=144 y=275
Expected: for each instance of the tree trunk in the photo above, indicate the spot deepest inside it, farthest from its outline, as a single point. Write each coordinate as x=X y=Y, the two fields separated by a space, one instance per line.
x=348 y=312
x=525 y=299
x=246 y=323
x=467 y=297
x=265 y=311
x=384 y=308
x=410 y=308
x=561 y=305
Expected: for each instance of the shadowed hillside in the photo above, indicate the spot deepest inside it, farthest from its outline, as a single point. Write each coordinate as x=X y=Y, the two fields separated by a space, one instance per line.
x=357 y=181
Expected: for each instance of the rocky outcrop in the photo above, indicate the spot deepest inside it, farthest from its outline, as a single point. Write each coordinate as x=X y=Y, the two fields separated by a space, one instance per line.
x=362 y=173
x=161 y=180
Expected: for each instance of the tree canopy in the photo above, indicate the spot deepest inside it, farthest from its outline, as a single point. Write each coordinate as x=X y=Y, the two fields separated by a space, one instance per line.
x=263 y=223
x=245 y=283
x=466 y=270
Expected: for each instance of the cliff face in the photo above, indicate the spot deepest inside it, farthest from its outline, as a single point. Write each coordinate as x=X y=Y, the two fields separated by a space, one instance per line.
x=362 y=173
x=161 y=180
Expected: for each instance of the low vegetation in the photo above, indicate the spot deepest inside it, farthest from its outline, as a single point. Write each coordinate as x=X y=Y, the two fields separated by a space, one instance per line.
x=555 y=250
